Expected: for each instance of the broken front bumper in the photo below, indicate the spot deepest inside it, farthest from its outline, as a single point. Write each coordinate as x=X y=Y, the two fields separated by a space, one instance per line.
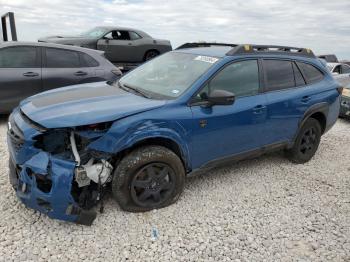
x=42 y=181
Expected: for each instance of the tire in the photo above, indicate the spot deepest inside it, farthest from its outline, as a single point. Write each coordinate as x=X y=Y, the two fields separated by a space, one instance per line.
x=149 y=177
x=306 y=143
x=150 y=55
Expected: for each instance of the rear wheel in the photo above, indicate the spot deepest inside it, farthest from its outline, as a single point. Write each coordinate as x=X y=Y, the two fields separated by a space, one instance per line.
x=151 y=54
x=306 y=143
x=148 y=178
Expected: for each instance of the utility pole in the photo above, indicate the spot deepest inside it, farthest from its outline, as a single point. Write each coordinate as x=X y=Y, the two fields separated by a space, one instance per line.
x=11 y=17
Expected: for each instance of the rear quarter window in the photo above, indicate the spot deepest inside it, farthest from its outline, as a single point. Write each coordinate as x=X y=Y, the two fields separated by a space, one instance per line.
x=310 y=72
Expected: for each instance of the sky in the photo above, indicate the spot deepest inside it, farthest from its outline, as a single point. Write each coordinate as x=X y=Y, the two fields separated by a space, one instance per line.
x=323 y=26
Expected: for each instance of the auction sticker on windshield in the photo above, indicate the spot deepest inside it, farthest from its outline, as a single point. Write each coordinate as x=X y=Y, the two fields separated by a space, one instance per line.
x=207 y=59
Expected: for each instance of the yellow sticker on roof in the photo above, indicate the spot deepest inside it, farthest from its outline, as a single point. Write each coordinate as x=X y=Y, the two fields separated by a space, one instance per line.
x=207 y=59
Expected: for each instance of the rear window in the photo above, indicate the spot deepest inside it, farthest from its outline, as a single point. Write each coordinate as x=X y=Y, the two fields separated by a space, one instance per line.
x=279 y=74
x=87 y=61
x=18 y=57
x=311 y=73
x=59 y=58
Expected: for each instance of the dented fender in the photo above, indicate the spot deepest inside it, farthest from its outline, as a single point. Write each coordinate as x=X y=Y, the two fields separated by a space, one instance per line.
x=127 y=132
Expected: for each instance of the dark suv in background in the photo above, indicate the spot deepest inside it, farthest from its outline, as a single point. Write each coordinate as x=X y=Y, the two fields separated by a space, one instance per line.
x=30 y=68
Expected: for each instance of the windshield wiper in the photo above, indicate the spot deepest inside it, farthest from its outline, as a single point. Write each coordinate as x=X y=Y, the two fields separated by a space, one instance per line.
x=135 y=90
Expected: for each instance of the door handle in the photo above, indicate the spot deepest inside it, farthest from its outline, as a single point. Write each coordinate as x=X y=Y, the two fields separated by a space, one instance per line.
x=129 y=43
x=259 y=109
x=305 y=99
x=30 y=74
x=80 y=73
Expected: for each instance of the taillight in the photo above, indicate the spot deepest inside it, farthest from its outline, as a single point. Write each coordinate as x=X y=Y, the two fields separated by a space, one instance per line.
x=117 y=72
x=340 y=90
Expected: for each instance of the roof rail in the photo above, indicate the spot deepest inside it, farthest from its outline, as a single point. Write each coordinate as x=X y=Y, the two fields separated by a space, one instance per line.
x=203 y=44
x=270 y=49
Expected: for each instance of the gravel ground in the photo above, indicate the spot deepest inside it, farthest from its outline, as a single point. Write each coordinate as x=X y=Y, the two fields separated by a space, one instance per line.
x=266 y=209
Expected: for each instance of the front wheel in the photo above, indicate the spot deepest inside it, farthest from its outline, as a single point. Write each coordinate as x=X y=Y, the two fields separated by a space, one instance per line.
x=307 y=142
x=148 y=178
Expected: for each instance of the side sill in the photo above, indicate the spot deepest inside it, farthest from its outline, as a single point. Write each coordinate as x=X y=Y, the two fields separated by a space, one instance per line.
x=239 y=157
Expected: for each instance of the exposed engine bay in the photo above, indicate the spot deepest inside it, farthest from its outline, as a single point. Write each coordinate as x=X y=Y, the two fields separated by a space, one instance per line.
x=60 y=175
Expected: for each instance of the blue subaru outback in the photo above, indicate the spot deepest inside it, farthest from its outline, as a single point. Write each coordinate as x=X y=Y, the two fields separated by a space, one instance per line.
x=179 y=114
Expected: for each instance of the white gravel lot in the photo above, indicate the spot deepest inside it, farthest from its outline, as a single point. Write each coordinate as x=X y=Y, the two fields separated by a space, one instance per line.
x=266 y=209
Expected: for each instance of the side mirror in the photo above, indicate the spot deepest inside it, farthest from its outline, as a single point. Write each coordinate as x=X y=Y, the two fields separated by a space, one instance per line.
x=221 y=97
x=106 y=38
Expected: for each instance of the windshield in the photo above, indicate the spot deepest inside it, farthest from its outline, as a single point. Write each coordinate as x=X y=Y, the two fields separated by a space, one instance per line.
x=96 y=32
x=169 y=75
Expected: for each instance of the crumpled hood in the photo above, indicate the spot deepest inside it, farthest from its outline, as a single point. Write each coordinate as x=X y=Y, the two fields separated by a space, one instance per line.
x=84 y=104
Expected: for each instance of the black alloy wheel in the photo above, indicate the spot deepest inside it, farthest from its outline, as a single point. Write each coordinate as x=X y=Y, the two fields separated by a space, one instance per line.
x=308 y=141
x=147 y=178
x=153 y=184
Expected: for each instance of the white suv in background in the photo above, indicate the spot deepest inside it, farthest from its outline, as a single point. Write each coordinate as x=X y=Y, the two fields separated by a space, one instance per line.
x=341 y=72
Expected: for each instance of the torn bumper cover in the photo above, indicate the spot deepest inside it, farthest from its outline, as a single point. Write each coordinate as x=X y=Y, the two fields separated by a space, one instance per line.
x=43 y=181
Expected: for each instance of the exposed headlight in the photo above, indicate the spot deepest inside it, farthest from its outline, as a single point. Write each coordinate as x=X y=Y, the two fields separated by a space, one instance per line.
x=346 y=92
x=9 y=125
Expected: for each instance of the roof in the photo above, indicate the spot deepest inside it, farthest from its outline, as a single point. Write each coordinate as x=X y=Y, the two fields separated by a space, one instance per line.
x=44 y=44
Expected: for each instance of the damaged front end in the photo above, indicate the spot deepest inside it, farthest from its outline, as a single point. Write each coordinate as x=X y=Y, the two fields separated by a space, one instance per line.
x=54 y=172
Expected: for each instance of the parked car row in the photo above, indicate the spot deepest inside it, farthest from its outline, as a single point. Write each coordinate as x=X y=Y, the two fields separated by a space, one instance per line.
x=177 y=115
x=122 y=46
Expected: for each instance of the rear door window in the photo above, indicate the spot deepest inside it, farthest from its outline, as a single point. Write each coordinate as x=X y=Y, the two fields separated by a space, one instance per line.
x=19 y=57
x=311 y=73
x=59 y=58
x=278 y=74
x=87 y=61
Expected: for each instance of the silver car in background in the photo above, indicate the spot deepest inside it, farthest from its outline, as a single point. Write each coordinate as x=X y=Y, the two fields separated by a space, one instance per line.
x=121 y=45
x=341 y=72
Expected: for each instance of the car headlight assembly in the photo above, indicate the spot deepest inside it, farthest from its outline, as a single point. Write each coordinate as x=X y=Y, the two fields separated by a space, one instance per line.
x=346 y=92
